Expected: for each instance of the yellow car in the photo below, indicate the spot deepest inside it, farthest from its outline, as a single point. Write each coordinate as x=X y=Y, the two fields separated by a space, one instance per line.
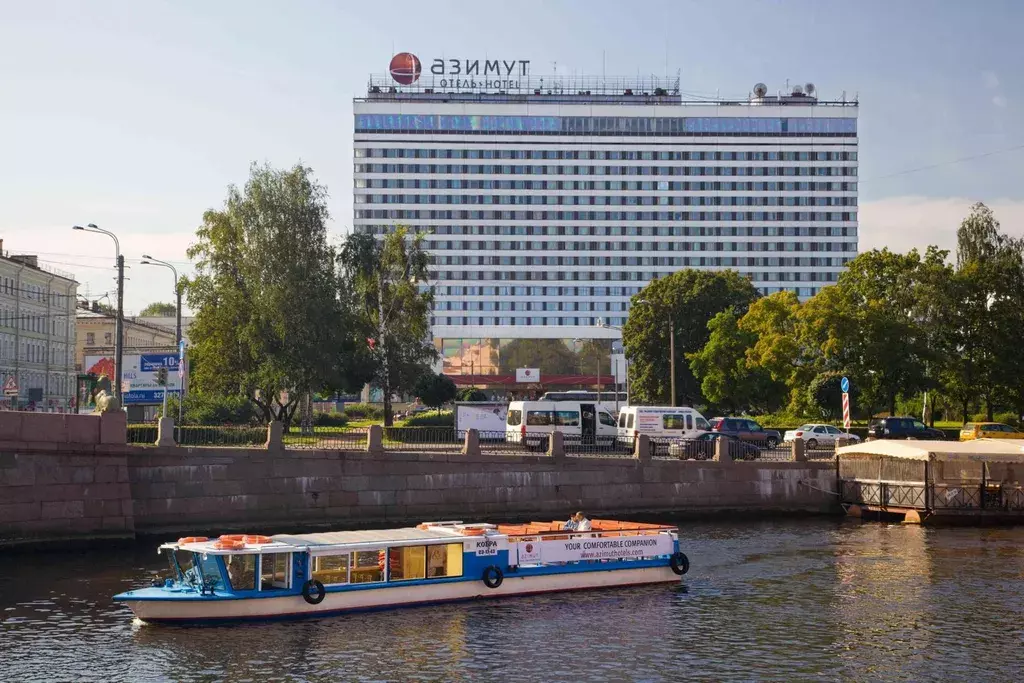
x=989 y=430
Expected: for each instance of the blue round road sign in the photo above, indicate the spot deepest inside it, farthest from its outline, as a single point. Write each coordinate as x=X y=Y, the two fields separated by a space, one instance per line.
x=845 y=385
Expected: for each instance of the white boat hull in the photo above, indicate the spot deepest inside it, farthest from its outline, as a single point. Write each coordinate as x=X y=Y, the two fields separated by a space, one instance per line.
x=198 y=610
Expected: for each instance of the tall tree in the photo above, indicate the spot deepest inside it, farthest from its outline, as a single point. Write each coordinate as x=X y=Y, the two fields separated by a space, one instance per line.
x=684 y=301
x=435 y=390
x=269 y=323
x=726 y=378
x=159 y=309
x=385 y=281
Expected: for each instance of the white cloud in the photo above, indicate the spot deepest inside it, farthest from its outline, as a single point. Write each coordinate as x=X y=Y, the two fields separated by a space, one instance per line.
x=990 y=79
x=903 y=223
x=999 y=101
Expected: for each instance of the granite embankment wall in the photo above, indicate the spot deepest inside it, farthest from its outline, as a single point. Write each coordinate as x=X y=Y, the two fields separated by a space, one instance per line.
x=53 y=490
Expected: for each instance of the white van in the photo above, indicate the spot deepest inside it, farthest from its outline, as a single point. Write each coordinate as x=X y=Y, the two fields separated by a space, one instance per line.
x=530 y=423
x=661 y=422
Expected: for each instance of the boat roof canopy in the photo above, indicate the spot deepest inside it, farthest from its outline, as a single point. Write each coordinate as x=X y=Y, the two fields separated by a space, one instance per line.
x=376 y=536
x=977 y=450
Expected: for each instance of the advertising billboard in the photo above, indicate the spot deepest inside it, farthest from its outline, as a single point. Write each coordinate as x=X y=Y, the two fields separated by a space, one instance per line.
x=138 y=378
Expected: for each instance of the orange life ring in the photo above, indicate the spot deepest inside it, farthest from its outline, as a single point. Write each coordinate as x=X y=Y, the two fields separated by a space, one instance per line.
x=192 y=539
x=228 y=544
x=232 y=537
x=471 y=532
x=257 y=540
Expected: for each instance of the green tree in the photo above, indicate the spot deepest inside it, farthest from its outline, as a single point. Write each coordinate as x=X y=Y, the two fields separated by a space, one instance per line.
x=435 y=390
x=825 y=393
x=685 y=300
x=470 y=394
x=726 y=378
x=158 y=309
x=385 y=281
x=269 y=324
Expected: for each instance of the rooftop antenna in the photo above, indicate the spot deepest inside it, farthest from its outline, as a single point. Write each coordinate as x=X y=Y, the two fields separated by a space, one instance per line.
x=604 y=74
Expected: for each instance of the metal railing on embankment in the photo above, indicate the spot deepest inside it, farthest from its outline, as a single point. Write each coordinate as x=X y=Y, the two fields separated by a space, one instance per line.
x=383 y=440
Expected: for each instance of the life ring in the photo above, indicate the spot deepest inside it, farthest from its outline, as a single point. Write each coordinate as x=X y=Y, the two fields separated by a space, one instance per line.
x=229 y=544
x=192 y=539
x=232 y=537
x=308 y=590
x=493 y=577
x=256 y=540
x=680 y=564
x=471 y=532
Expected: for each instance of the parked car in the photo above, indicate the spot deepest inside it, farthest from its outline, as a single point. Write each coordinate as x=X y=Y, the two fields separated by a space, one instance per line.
x=989 y=430
x=703 y=447
x=747 y=430
x=816 y=435
x=904 y=428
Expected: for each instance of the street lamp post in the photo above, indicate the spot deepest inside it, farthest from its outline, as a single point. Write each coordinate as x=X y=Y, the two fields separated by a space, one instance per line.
x=602 y=323
x=119 y=323
x=148 y=260
x=671 y=352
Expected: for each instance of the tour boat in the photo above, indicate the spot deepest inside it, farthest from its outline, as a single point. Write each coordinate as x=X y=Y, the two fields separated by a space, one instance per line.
x=243 y=577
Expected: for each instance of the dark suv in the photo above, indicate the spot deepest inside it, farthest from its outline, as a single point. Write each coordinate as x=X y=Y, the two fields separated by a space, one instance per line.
x=746 y=430
x=904 y=428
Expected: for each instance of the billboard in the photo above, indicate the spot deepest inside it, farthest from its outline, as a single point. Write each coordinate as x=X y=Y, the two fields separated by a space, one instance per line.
x=138 y=378
x=527 y=375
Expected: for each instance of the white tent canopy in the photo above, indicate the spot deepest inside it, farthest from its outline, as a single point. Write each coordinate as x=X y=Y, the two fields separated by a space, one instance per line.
x=978 y=450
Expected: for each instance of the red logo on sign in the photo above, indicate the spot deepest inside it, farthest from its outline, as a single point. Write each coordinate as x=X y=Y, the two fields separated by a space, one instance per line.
x=529 y=547
x=405 y=68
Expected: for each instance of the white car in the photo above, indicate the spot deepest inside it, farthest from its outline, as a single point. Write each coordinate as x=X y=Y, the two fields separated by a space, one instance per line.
x=817 y=435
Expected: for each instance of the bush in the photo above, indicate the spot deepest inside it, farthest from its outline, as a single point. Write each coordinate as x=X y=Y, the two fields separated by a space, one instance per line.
x=205 y=409
x=431 y=419
x=364 y=411
x=470 y=394
x=332 y=419
x=1008 y=418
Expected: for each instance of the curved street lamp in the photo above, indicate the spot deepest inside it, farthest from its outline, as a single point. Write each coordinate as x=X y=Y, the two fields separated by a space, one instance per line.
x=119 y=323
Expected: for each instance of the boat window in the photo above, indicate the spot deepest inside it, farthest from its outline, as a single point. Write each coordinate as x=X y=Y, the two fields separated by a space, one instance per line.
x=241 y=572
x=515 y=418
x=538 y=418
x=274 y=570
x=407 y=563
x=567 y=418
x=444 y=560
x=211 y=570
x=331 y=569
x=367 y=566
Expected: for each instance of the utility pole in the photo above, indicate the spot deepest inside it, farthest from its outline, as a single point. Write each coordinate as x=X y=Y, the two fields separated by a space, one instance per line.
x=119 y=329
x=672 y=357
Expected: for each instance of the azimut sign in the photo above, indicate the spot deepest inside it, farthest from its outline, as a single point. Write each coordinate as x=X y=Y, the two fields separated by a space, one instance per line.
x=464 y=73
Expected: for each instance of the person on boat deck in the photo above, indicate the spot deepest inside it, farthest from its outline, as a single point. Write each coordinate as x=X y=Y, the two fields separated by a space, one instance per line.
x=582 y=523
x=571 y=524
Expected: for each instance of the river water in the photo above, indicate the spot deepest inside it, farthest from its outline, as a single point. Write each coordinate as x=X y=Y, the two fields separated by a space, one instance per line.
x=775 y=600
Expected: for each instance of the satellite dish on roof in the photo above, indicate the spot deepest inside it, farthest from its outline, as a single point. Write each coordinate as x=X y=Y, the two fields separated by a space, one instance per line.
x=797 y=90
x=760 y=90
x=809 y=88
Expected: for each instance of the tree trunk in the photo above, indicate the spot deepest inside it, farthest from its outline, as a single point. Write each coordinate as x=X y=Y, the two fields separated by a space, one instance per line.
x=892 y=405
x=988 y=407
x=964 y=406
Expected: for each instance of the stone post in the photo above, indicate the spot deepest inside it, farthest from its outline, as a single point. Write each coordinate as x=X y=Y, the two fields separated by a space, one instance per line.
x=375 y=440
x=471 y=447
x=722 y=450
x=165 y=432
x=799 y=450
x=275 y=436
x=843 y=441
x=556 y=445
x=642 y=448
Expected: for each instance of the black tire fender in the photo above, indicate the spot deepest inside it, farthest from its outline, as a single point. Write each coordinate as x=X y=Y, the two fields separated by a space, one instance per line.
x=313 y=592
x=680 y=563
x=493 y=576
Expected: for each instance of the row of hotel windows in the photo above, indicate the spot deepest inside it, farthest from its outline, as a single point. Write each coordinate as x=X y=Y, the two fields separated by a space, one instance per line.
x=29 y=351
x=530 y=275
x=474 y=290
x=10 y=287
x=787 y=216
x=679 y=261
x=614 y=231
x=60 y=326
x=591 y=200
x=585 y=321
x=607 y=185
x=703 y=171
x=603 y=155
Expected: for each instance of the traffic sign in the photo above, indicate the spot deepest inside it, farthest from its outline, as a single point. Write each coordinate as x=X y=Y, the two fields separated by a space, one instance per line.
x=11 y=386
x=846 y=411
x=844 y=384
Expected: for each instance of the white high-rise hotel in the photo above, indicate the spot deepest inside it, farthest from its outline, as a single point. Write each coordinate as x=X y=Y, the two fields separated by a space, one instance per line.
x=548 y=204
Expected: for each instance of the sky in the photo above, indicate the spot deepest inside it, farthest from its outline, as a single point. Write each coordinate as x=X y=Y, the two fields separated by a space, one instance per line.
x=138 y=115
